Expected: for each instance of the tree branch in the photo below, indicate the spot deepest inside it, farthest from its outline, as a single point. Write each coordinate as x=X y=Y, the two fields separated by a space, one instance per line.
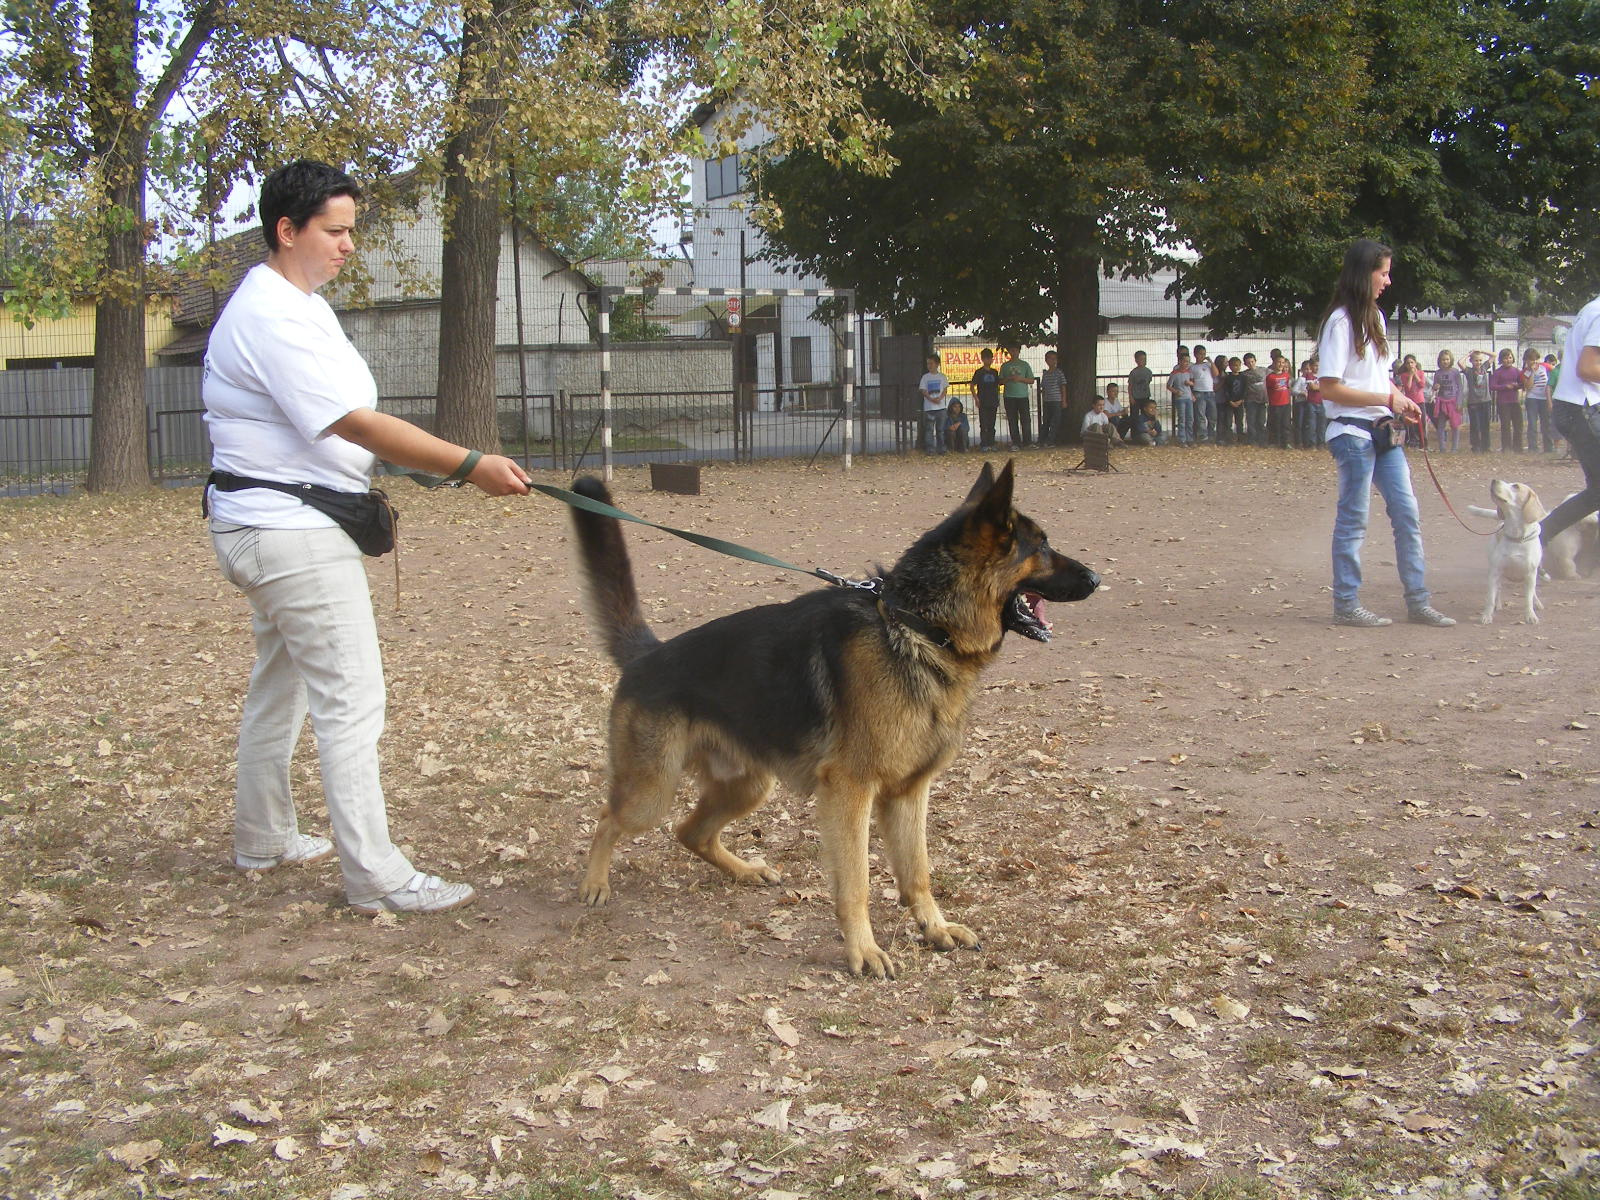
x=194 y=40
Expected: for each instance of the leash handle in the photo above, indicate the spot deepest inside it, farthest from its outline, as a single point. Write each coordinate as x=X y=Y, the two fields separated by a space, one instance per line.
x=732 y=549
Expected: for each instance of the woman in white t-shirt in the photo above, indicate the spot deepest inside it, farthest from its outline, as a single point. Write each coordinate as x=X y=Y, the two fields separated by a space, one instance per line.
x=1575 y=412
x=1362 y=406
x=289 y=400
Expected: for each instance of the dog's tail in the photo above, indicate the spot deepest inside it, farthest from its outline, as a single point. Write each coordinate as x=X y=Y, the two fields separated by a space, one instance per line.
x=613 y=601
x=1479 y=510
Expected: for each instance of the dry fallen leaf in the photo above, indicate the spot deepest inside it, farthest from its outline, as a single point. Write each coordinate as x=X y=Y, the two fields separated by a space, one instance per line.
x=134 y=1155
x=225 y=1133
x=256 y=1114
x=775 y=1116
x=1229 y=1009
x=780 y=1028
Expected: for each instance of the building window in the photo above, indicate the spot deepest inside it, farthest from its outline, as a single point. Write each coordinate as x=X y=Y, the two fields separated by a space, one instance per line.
x=724 y=177
x=800 y=360
x=874 y=349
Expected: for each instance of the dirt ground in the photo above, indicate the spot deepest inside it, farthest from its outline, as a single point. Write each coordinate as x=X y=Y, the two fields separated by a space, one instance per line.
x=1270 y=908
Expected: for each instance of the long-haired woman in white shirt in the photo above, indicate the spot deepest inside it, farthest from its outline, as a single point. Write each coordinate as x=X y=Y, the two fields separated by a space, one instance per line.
x=1364 y=408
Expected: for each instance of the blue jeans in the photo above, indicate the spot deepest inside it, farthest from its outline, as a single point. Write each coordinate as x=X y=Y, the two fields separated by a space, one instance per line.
x=1539 y=432
x=1255 y=415
x=1205 y=416
x=1183 y=420
x=933 y=430
x=1360 y=468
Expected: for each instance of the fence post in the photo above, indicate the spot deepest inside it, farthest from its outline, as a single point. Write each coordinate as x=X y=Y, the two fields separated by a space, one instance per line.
x=849 y=379
x=605 y=383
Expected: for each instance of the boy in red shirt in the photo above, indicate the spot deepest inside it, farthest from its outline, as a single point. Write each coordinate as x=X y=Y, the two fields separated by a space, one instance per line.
x=1278 y=378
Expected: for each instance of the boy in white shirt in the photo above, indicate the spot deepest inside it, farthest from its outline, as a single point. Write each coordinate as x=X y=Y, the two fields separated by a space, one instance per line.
x=935 y=391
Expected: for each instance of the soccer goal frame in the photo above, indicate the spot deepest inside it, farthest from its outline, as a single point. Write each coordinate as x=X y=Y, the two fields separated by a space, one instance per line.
x=610 y=293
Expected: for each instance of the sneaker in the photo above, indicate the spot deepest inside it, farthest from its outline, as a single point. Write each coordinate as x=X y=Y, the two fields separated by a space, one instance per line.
x=1425 y=614
x=1362 y=618
x=424 y=894
x=302 y=852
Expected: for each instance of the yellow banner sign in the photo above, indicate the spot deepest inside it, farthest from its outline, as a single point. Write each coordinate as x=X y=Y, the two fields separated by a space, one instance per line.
x=959 y=362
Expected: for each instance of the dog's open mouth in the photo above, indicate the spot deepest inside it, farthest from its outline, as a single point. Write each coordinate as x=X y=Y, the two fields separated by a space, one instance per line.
x=1024 y=614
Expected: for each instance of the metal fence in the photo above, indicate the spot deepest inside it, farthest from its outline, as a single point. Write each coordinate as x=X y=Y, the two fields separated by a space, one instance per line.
x=46 y=418
x=45 y=421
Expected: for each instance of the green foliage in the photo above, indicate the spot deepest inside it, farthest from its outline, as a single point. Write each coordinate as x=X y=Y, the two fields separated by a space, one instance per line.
x=1476 y=156
x=1264 y=134
x=1079 y=131
x=630 y=322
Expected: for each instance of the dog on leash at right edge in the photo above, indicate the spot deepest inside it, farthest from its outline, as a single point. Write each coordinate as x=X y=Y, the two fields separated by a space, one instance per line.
x=858 y=697
x=1515 y=553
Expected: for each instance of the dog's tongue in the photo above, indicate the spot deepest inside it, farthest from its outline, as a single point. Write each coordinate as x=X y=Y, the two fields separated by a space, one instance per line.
x=1036 y=606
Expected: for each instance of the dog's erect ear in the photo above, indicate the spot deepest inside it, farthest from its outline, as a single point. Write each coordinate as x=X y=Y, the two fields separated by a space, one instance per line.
x=981 y=488
x=994 y=505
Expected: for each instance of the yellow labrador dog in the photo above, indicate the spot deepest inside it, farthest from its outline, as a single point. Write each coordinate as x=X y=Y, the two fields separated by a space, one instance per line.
x=1571 y=553
x=1514 y=549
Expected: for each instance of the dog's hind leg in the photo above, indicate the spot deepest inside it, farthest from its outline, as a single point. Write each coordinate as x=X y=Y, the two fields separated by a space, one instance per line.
x=723 y=801
x=844 y=820
x=904 y=822
x=646 y=759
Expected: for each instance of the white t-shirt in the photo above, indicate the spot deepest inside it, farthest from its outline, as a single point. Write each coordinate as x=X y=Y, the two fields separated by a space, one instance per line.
x=1585 y=331
x=1337 y=359
x=1201 y=377
x=934 y=387
x=279 y=371
x=1092 y=419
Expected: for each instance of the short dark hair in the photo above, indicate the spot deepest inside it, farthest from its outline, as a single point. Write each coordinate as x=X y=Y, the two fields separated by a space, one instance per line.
x=298 y=190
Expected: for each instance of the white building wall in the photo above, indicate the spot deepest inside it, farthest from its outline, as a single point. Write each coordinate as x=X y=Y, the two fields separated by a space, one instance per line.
x=726 y=246
x=403 y=264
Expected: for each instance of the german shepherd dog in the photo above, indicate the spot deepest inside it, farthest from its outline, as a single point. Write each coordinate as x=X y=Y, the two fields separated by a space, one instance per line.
x=858 y=696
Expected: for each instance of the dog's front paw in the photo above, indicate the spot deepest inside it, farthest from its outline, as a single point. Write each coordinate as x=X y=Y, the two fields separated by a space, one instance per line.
x=594 y=893
x=868 y=959
x=947 y=937
x=756 y=872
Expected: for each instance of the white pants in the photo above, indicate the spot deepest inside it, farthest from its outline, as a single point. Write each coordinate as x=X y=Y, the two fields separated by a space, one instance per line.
x=316 y=649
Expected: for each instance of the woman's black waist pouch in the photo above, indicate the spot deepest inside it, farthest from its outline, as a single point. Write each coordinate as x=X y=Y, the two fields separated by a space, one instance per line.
x=367 y=517
x=1383 y=430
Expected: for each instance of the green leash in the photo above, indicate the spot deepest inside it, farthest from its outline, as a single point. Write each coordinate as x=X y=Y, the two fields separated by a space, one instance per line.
x=732 y=549
x=915 y=621
x=720 y=545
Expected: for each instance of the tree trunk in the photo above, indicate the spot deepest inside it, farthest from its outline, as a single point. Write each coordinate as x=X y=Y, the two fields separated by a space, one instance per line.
x=470 y=264
x=1077 y=300
x=118 y=450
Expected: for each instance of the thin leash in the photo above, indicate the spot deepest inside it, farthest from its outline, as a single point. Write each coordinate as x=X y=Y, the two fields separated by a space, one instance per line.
x=1422 y=440
x=732 y=549
x=873 y=584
